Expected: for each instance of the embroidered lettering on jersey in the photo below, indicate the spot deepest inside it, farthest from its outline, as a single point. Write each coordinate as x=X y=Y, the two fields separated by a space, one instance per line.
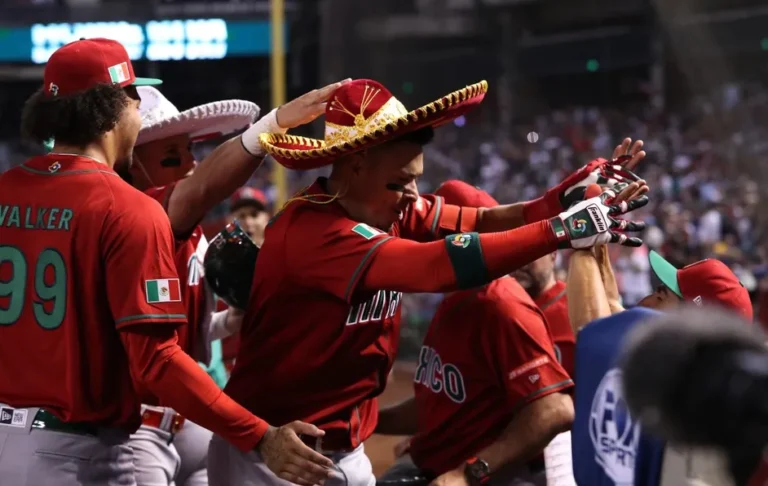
x=529 y=366
x=366 y=231
x=383 y=305
x=439 y=377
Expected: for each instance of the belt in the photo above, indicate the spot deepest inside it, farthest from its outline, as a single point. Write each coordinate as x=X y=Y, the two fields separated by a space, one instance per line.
x=48 y=421
x=164 y=419
x=334 y=441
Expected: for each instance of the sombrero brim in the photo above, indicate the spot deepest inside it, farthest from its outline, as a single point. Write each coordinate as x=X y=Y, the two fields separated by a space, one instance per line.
x=301 y=153
x=211 y=119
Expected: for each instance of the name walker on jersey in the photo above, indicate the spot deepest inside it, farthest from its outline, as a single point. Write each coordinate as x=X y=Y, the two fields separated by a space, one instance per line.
x=35 y=218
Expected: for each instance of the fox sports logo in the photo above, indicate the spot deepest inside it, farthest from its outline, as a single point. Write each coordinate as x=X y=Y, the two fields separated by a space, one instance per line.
x=614 y=434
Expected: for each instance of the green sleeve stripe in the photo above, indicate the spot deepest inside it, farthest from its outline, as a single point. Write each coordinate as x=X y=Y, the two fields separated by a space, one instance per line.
x=438 y=213
x=153 y=317
x=531 y=396
x=466 y=255
x=361 y=265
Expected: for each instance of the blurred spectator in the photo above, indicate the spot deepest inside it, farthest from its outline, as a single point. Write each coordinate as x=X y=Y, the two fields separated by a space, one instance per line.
x=704 y=166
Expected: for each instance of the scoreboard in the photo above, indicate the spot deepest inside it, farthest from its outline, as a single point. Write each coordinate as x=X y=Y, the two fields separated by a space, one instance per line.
x=156 y=40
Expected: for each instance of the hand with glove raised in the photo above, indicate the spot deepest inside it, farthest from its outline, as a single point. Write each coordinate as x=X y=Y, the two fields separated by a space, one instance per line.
x=594 y=221
x=607 y=174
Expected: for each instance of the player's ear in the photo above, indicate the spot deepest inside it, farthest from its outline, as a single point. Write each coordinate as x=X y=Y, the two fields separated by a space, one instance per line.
x=357 y=163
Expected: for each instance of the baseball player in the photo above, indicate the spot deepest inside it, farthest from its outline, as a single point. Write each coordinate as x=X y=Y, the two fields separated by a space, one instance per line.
x=250 y=208
x=497 y=383
x=321 y=329
x=601 y=417
x=89 y=296
x=169 y=449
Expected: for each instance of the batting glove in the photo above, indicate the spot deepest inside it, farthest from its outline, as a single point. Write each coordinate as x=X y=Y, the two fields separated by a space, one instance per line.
x=591 y=222
x=607 y=174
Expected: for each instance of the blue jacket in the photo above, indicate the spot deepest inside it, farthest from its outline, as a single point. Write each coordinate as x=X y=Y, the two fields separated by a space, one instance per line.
x=609 y=448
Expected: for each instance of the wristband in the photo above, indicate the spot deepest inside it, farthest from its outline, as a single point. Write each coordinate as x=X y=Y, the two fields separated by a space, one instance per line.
x=250 y=137
x=561 y=234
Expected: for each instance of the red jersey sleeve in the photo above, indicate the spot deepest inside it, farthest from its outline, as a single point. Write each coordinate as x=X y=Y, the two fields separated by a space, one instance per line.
x=429 y=219
x=519 y=350
x=141 y=280
x=327 y=251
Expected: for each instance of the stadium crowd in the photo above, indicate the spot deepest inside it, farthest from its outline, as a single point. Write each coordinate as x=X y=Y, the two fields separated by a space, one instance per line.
x=704 y=165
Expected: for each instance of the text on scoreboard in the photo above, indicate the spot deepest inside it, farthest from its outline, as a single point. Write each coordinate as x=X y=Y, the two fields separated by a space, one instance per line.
x=156 y=40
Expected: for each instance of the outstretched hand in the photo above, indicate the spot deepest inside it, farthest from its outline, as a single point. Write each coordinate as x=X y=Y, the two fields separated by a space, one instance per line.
x=307 y=107
x=629 y=155
x=595 y=221
x=290 y=459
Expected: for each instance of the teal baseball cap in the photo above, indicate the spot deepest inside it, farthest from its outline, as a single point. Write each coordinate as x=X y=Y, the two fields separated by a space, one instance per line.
x=707 y=282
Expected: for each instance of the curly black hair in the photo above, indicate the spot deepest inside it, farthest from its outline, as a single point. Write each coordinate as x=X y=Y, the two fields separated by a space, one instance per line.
x=77 y=119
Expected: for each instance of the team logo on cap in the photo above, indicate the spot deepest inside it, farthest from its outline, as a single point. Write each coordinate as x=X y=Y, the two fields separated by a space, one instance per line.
x=119 y=73
x=53 y=89
x=54 y=167
x=698 y=300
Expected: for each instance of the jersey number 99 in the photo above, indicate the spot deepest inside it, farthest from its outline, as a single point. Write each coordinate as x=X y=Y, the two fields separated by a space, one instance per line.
x=50 y=303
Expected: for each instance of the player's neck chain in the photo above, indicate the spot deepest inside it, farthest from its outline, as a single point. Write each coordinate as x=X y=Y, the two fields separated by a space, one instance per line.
x=77 y=155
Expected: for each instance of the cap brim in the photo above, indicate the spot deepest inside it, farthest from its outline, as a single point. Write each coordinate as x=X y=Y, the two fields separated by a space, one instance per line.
x=666 y=272
x=147 y=82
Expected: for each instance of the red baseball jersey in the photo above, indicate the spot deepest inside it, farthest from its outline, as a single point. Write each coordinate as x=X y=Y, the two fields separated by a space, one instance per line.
x=554 y=304
x=197 y=298
x=315 y=346
x=82 y=255
x=487 y=353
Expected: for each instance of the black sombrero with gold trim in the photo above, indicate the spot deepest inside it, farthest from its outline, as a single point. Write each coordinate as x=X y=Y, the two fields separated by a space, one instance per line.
x=361 y=114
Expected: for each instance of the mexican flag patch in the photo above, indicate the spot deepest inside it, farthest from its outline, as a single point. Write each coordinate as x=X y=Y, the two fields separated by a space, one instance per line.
x=163 y=290
x=119 y=73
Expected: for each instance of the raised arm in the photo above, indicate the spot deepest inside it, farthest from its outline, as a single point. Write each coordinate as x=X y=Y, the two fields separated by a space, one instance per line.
x=233 y=162
x=609 y=279
x=587 y=299
x=605 y=173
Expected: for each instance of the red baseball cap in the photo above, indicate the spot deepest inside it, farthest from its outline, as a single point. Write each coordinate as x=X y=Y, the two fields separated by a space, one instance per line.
x=706 y=282
x=462 y=194
x=82 y=64
x=248 y=196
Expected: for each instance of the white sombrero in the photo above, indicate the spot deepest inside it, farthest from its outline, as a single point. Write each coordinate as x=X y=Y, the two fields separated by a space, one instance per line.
x=160 y=119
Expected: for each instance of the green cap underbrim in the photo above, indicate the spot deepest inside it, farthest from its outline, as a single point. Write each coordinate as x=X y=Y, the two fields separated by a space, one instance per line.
x=666 y=272
x=147 y=82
